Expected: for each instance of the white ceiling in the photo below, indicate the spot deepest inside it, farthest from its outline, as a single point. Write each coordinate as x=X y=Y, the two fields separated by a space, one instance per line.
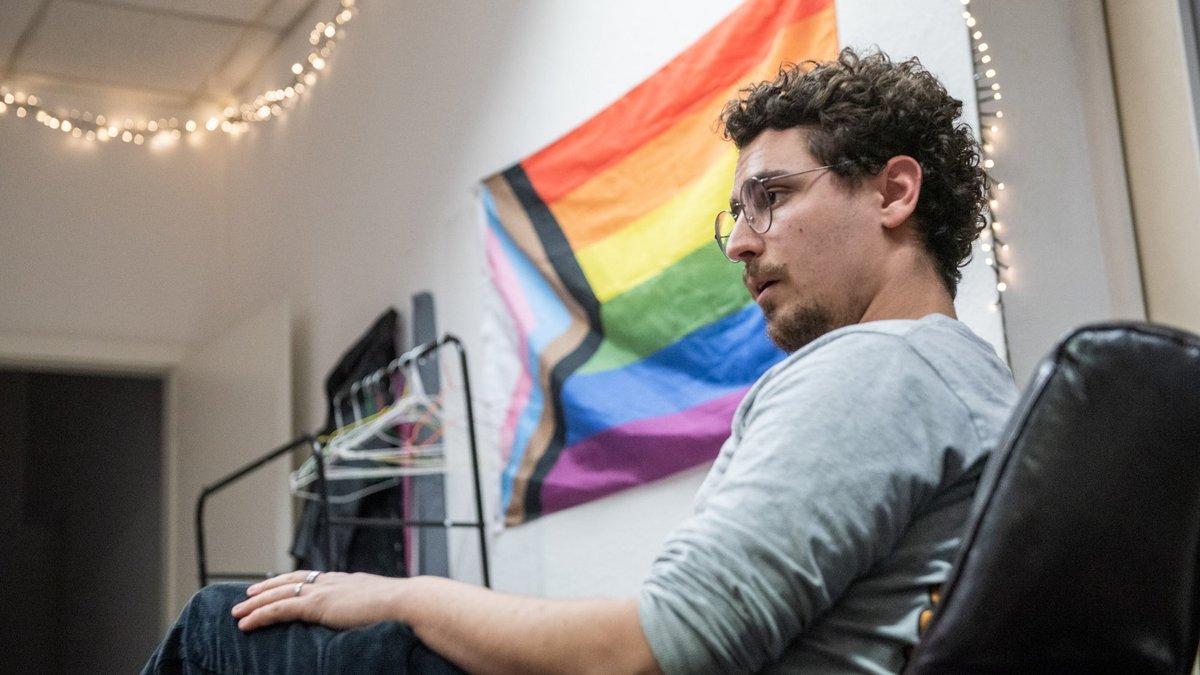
x=176 y=53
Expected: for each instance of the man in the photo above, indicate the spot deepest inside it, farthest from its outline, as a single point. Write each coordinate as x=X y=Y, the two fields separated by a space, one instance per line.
x=838 y=499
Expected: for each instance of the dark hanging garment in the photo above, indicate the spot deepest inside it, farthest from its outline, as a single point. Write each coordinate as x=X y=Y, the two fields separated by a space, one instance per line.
x=375 y=550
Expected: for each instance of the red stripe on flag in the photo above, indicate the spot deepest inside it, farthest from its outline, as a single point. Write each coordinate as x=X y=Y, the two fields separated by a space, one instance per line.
x=715 y=62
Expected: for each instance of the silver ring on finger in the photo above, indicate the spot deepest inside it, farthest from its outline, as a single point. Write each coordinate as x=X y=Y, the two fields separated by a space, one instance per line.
x=299 y=587
x=312 y=576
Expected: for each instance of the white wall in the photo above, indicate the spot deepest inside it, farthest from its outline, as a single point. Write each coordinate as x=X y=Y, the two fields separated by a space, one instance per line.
x=108 y=244
x=1066 y=206
x=363 y=195
x=1158 y=118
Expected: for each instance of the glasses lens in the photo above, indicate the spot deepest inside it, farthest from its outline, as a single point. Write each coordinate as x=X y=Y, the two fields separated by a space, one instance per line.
x=756 y=205
x=724 y=228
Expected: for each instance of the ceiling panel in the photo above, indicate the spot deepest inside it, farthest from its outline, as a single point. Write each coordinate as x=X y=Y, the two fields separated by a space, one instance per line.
x=14 y=16
x=242 y=65
x=286 y=11
x=121 y=47
x=238 y=10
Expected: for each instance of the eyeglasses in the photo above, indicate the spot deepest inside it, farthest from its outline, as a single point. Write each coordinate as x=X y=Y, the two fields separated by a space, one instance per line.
x=754 y=207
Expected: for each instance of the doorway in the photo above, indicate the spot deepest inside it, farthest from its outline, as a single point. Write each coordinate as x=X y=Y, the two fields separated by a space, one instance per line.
x=80 y=521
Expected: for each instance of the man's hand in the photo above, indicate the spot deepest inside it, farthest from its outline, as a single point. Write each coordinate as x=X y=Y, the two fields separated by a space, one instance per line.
x=334 y=599
x=480 y=630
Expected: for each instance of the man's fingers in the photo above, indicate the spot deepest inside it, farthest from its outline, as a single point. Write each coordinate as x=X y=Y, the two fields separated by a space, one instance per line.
x=292 y=578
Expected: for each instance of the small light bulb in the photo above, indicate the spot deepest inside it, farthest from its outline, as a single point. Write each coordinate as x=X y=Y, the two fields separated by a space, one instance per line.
x=1004 y=247
x=977 y=35
x=999 y=186
x=989 y=262
x=985 y=247
x=127 y=136
x=330 y=31
x=139 y=139
x=91 y=135
x=999 y=114
x=983 y=47
x=66 y=125
x=991 y=72
x=987 y=147
x=101 y=120
x=21 y=112
x=212 y=124
x=987 y=58
x=987 y=164
x=77 y=132
x=102 y=133
x=995 y=86
x=32 y=100
x=297 y=68
x=993 y=204
x=190 y=126
x=996 y=96
x=993 y=128
x=1002 y=287
x=152 y=126
x=970 y=22
x=997 y=226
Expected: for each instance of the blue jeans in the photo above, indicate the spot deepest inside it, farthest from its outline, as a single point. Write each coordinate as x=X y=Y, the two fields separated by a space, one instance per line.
x=205 y=640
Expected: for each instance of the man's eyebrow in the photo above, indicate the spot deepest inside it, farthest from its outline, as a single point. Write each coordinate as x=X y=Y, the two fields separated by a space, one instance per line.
x=768 y=175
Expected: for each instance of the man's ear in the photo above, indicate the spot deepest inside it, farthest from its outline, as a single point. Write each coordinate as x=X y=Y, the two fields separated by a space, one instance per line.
x=900 y=185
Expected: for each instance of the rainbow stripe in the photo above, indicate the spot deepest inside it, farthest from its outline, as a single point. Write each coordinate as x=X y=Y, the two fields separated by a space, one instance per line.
x=633 y=336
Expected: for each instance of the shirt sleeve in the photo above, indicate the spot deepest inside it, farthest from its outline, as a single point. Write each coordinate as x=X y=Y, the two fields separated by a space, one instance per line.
x=828 y=460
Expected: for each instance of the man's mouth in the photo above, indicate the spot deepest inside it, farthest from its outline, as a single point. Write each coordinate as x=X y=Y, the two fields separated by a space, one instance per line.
x=757 y=286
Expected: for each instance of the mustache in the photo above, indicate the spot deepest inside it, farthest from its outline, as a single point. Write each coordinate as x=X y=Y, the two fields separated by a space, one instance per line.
x=757 y=268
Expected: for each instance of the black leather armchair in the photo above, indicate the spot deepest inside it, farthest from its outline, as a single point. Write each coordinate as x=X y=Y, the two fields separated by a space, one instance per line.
x=1083 y=551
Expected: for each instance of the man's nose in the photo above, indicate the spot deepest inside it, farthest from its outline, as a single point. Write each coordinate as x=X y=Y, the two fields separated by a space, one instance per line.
x=744 y=243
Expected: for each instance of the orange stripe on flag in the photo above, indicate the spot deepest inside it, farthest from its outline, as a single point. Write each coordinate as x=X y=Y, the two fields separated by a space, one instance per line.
x=714 y=63
x=650 y=174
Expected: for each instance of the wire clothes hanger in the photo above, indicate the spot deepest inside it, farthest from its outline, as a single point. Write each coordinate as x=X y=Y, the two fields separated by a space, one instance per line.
x=400 y=439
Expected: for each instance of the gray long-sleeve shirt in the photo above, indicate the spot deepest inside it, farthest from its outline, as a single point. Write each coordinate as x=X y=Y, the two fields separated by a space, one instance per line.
x=834 y=506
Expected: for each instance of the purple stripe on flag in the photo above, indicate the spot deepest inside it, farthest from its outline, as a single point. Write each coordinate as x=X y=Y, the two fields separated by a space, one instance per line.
x=638 y=452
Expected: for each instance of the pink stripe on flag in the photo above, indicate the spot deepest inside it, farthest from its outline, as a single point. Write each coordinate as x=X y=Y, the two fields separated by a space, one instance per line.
x=509 y=288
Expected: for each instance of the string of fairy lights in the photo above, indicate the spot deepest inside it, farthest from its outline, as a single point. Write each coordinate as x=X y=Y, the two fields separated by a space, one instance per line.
x=987 y=89
x=234 y=119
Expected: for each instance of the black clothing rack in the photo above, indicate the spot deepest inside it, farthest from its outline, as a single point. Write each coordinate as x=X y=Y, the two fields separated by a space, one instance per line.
x=331 y=521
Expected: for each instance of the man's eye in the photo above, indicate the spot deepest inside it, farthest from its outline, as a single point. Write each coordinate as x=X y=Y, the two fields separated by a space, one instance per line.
x=773 y=196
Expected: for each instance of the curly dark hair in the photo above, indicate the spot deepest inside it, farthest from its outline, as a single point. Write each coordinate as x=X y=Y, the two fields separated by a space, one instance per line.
x=860 y=111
